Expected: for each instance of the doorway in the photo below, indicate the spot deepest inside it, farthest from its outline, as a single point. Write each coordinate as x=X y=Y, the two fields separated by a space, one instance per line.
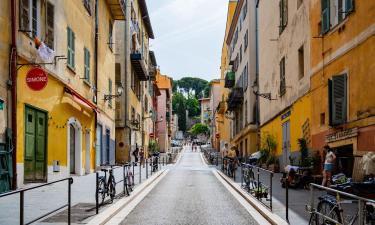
x=286 y=143
x=344 y=160
x=35 y=159
x=107 y=147
x=99 y=145
x=87 y=152
x=72 y=148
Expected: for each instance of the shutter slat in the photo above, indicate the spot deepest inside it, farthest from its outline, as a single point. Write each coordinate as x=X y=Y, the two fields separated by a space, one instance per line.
x=339 y=96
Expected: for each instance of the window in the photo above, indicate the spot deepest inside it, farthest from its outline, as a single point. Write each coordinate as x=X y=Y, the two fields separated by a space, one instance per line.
x=301 y=62
x=146 y=104
x=337 y=90
x=30 y=16
x=333 y=12
x=110 y=35
x=87 y=64
x=244 y=11
x=245 y=112
x=87 y=4
x=110 y=92
x=50 y=29
x=71 y=48
x=246 y=40
x=246 y=77
x=282 y=77
x=283 y=9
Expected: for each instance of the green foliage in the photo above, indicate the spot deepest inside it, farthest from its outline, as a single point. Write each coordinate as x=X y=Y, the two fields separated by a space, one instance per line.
x=304 y=150
x=179 y=108
x=268 y=151
x=193 y=107
x=200 y=128
x=192 y=83
x=153 y=147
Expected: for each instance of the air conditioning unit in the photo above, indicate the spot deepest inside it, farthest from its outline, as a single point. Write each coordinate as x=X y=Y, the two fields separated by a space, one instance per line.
x=56 y=166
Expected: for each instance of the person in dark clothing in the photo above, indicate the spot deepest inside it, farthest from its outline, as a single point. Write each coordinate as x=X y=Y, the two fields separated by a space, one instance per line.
x=135 y=154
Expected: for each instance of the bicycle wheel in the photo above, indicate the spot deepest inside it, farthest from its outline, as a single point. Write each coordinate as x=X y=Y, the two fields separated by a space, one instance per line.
x=112 y=189
x=101 y=190
x=328 y=209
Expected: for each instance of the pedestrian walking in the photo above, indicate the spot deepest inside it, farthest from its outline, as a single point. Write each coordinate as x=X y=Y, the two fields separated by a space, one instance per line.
x=224 y=150
x=142 y=157
x=135 y=154
x=328 y=165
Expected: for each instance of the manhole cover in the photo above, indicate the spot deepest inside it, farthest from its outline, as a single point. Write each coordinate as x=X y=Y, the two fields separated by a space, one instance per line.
x=80 y=212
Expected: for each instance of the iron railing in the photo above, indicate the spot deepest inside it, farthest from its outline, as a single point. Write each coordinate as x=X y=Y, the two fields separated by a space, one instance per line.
x=21 y=192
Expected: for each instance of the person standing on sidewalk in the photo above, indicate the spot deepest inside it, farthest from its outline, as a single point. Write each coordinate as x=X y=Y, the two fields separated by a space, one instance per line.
x=135 y=154
x=142 y=157
x=328 y=165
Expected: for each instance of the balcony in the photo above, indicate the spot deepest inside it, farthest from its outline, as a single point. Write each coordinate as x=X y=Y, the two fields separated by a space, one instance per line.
x=235 y=98
x=230 y=79
x=139 y=66
x=117 y=8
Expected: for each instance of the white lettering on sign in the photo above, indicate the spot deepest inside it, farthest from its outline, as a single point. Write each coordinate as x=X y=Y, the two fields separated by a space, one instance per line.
x=36 y=79
x=342 y=135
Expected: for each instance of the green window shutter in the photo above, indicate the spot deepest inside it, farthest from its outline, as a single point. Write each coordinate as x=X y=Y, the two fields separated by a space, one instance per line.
x=330 y=102
x=87 y=64
x=69 y=44
x=73 y=48
x=24 y=17
x=50 y=25
x=110 y=92
x=280 y=17
x=325 y=16
x=339 y=99
x=349 y=6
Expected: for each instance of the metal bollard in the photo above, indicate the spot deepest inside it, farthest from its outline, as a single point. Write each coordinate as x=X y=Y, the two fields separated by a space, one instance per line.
x=258 y=186
x=287 y=199
x=70 y=181
x=146 y=168
x=124 y=177
x=21 y=207
x=271 y=179
x=140 y=172
x=133 y=173
x=97 y=194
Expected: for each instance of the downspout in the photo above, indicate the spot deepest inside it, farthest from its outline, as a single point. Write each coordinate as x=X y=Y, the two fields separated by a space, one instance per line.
x=257 y=72
x=13 y=72
x=96 y=71
x=127 y=68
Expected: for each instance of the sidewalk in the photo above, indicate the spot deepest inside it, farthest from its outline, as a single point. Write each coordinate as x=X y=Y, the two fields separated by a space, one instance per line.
x=42 y=200
x=298 y=198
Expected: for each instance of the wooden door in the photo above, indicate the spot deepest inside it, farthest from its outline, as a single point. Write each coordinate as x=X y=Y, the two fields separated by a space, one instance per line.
x=35 y=159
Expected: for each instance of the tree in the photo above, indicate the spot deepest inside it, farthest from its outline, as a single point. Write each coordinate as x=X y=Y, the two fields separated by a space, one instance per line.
x=192 y=83
x=200 y=128
x=193 y=106
x=179 y=107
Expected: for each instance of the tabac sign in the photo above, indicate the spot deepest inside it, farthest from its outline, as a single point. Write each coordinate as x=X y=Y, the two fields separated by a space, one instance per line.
x=342 y=135
x=36 y=79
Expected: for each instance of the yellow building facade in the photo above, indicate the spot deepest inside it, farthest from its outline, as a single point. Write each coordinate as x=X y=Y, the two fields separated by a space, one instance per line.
x=57 y=124
x=223 y=122
x=342 y=81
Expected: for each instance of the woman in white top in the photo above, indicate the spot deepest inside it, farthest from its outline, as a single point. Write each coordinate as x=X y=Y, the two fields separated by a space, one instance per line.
x=328 y=165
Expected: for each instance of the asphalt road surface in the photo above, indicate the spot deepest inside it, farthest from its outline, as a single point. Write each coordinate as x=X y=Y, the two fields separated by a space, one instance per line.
x=189 y=194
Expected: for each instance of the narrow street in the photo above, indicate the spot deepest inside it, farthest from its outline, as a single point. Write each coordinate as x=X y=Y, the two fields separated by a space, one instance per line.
x=189 y=194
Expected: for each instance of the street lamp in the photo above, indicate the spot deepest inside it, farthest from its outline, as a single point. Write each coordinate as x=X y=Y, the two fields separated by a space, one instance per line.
x=120 y=90
x=263 y=95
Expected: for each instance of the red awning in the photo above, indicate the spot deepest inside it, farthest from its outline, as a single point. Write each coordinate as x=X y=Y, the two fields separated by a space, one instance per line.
x=80 y=99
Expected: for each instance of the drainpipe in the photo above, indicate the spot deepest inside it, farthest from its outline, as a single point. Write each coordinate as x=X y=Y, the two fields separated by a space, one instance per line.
x=257 y=72
x=96 y=71
x=13 y=72
x=127 y=70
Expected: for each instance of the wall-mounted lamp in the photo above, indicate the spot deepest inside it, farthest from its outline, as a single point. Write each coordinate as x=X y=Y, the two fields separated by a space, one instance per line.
x=120 y=90
x=263 y=95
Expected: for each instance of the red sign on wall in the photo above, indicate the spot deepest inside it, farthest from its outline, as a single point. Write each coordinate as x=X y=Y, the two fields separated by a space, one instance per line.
x=36 y=79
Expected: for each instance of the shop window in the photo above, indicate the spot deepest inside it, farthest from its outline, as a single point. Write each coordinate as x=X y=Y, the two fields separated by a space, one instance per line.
x=337 y=89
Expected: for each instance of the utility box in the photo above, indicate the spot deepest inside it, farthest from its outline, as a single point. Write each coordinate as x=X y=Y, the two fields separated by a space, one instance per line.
x=56 y=166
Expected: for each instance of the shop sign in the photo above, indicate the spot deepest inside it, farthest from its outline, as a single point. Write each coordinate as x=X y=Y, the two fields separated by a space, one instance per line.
x=285 y=115
x=151 y=135
x=36 y=79
x=342 y=135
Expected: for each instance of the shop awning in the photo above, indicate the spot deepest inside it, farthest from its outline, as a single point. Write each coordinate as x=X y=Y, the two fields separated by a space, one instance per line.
x=80 y=99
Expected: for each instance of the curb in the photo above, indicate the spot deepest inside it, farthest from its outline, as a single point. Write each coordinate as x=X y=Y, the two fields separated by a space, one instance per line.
x=265 y=212
x=106 y=215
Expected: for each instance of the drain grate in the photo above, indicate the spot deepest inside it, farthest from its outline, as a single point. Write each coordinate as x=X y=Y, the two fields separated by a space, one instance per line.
x=80 y=212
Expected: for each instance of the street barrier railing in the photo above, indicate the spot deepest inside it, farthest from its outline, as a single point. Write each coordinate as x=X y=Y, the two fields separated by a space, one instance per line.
x=251 y=182
x=335 y=198
x=21 y=192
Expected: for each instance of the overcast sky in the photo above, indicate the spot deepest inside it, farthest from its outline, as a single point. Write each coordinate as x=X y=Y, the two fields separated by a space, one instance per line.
x=188 y=36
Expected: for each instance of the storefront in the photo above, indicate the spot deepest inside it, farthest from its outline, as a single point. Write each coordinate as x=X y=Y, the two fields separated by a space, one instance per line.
x=56 y=126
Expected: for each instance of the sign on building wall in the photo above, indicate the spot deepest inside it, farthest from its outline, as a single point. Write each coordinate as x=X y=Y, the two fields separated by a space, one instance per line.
x=342 y=135
x=36 y=79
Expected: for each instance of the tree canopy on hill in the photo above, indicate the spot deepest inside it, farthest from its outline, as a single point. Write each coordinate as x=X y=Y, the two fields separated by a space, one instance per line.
x=200 y=128
x=189 y=84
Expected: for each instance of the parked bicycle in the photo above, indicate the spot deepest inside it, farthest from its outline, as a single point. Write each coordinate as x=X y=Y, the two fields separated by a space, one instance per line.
x=128 y=179
x=106 y=187
x=329 y=210
x=229 y=166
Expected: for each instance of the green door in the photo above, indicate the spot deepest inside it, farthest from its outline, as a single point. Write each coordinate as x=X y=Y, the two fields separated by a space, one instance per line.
x=35 y=145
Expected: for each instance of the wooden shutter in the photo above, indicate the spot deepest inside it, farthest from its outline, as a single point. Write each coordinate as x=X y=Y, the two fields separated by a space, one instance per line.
x=325 y=4
x=285 y=13
x=68 y=31
x=339 y=99
x=87 y=64
x=282 y=77
x=50 y=25
x=73 y=38
x=110 y=92
x=24 y=15
x=281 y=16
